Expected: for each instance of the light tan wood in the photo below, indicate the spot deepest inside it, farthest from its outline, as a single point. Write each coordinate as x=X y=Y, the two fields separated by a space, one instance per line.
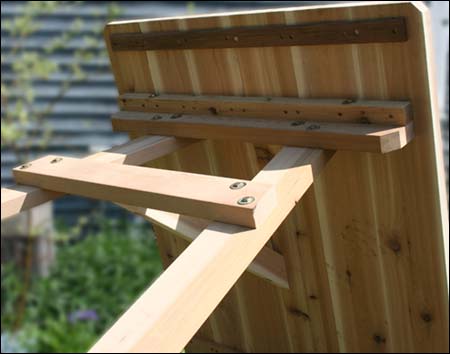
x=221 y=251
x=343 y=110
x=16 y=199
x=333 y=136
x=367 y=263
x=268 y=264
x=198 y=195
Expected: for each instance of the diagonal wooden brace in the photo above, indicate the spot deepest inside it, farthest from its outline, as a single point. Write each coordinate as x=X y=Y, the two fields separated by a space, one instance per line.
x=221 y=251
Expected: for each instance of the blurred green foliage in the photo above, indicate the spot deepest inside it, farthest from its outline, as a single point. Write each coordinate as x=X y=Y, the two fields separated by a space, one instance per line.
x=95 y=278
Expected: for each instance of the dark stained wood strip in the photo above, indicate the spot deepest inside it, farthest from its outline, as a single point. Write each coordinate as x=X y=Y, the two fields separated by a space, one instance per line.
x=335 y=32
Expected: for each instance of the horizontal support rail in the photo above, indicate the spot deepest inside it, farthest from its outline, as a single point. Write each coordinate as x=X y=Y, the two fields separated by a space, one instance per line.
x=15 y=199
x=18 y=198
x=209 y=267
x=333 y=110
x=210 y=197
x=268 y=264
x=392 y=29
x=330 y=136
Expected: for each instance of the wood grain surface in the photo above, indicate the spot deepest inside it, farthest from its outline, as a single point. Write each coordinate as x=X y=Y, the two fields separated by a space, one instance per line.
x=364 y=248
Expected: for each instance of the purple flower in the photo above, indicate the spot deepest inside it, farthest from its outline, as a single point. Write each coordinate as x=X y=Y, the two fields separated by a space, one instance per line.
x=83 y=315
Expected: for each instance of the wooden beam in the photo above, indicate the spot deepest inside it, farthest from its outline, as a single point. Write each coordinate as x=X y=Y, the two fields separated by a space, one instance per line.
x=318 y=33
x=268 y=264
x=332 y=136
x=209 y=267
x=209 y=197
x=338 y=110
x=16 y=199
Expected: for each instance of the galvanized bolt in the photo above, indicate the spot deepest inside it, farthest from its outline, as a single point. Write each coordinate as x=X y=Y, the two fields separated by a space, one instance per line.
x=56 y=160
x=25 y=166
x=175 y=116
x=156 y=117
x=246 y=200
x=313 y=127
x=238 y=185
x=297 y=123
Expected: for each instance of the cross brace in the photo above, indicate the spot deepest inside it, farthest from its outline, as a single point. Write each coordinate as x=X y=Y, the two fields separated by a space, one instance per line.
x=228 y=221
x=268 y=264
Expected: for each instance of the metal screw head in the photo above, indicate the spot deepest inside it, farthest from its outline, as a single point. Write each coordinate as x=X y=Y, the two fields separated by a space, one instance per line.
x=157 y=117
x=348 y=101
x=313 y=127
x=175 y=116
x=356 y=32
x=152 y=95
x=56 y=160
x=236 y=38
x=238 y=185
x=297 y=123
x=23 y=167
x=246 y=200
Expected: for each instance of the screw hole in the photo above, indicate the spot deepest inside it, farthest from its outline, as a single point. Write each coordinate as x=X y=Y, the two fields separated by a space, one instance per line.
x=56 y=160
x=314 y=127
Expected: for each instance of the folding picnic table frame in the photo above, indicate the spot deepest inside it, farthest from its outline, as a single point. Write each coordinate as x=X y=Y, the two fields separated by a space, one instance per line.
x=229 y=220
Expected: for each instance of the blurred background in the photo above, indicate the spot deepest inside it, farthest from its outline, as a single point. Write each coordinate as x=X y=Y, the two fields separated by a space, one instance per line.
x=71 y=267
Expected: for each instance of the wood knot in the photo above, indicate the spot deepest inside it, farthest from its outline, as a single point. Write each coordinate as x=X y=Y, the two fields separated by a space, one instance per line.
x=379 y=339
x=426 y=317
x=299 y=313
x=394 y=245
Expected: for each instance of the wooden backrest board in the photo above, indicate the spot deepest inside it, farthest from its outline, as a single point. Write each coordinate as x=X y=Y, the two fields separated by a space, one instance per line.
x=364 y=249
